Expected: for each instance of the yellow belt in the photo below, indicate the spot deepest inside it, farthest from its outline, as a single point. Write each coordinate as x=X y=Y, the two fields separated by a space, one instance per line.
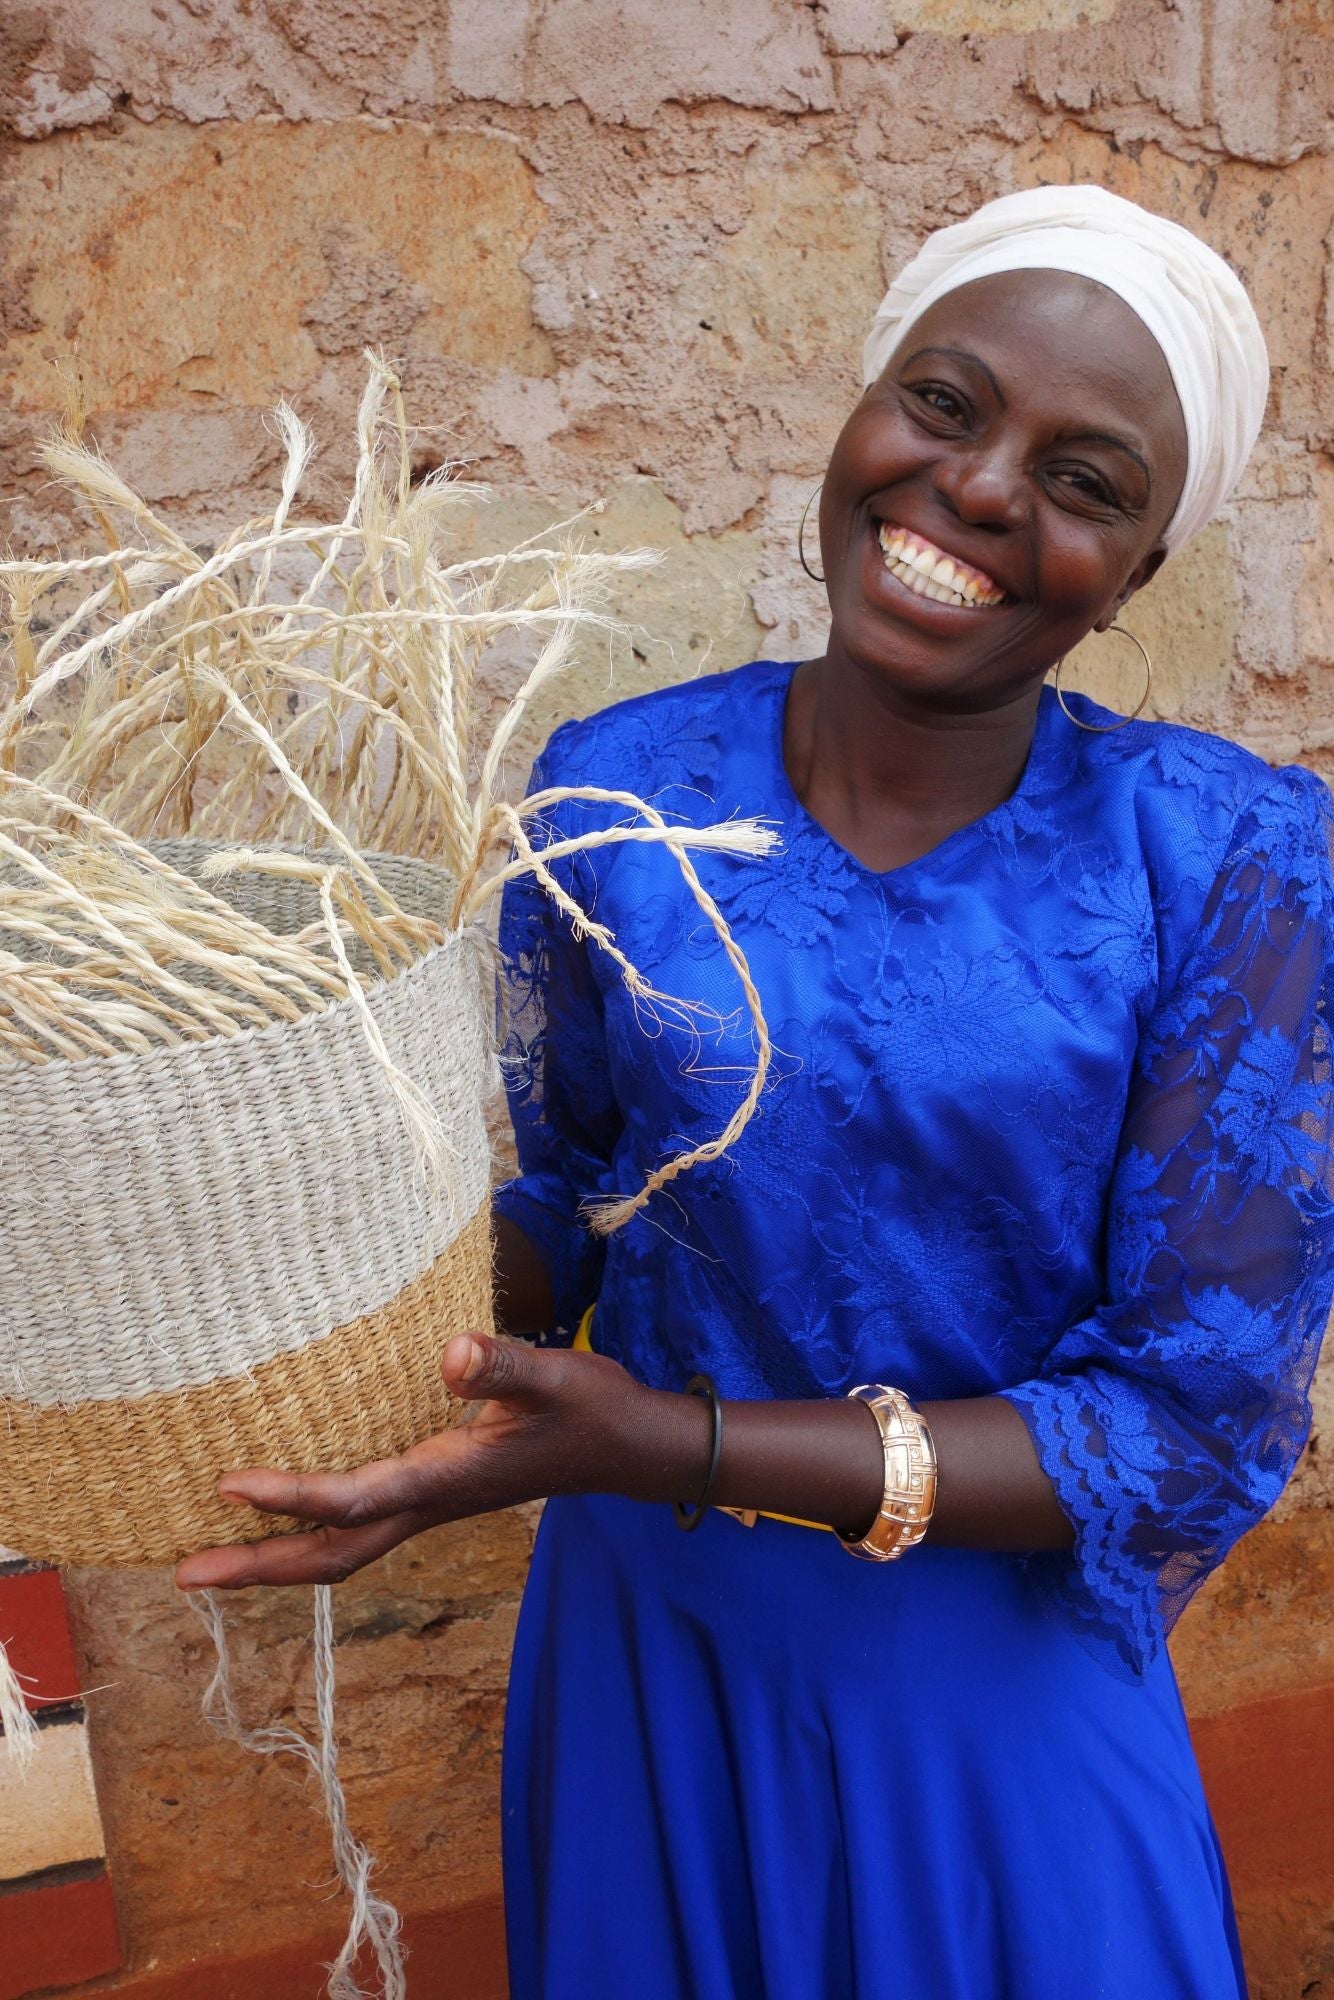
x=583 y=1344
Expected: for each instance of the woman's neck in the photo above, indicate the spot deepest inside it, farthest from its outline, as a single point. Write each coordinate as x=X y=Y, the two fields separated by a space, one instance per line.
x=887 y=778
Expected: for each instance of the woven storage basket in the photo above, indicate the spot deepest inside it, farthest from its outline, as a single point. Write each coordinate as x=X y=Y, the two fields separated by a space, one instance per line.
x=245 y=1197
x=226 y=1253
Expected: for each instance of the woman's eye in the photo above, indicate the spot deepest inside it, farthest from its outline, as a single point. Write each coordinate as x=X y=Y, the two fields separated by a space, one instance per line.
x=940 y=399
x=1084 y=481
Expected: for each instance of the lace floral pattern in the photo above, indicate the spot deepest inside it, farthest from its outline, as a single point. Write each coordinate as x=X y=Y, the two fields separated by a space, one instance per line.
x=1050 y=1115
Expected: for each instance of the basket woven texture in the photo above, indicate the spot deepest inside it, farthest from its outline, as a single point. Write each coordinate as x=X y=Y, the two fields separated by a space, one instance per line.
x=226 y=1253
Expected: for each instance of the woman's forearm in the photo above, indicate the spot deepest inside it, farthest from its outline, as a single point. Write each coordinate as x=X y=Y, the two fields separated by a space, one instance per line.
x=992 y=1492
x=816 y=1461
x=822 y=1461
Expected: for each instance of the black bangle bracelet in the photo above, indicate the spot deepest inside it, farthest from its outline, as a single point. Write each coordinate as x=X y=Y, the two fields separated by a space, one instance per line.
x=686 y=1516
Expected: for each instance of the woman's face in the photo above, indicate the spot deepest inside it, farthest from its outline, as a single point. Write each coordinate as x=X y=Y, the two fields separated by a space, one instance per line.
x=1026 y=431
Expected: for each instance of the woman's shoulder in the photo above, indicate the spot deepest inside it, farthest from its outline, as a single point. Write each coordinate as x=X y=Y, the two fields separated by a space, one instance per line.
x=673 y=736
x=1191 y=790
x=1197 y=818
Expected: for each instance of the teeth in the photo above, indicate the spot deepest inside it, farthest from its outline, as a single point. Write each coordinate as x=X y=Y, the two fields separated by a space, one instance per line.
x=921 y=587
x=932 y=574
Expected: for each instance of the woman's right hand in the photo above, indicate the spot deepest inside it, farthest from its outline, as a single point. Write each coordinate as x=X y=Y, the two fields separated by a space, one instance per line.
x=547 y=1421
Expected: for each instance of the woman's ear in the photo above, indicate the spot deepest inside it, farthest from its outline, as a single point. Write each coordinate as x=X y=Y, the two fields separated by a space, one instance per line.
x=1143 y=572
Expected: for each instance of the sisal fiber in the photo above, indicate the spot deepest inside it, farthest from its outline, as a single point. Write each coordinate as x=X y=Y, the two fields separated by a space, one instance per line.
x=252 y=825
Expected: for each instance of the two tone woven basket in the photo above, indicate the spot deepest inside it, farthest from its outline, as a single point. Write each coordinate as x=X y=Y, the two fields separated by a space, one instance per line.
x=226 y=1254
x=252 y=823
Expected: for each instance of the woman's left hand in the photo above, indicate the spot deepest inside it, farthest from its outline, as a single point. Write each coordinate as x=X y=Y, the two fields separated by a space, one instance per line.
x=548 y=1421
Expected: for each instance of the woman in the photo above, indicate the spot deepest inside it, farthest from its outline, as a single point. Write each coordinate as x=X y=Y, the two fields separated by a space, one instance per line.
x=1045 y=1160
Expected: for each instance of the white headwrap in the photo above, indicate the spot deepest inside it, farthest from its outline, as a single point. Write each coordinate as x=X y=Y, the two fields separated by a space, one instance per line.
x=1192 y=304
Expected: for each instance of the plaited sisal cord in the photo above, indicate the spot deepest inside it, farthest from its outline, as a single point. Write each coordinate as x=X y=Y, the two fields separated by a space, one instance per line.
x=372 y=1922
x=609 y=1215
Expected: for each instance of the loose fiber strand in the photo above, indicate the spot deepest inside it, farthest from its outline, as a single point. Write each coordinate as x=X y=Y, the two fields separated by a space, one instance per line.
x=20 y=1730
x=372 y=1921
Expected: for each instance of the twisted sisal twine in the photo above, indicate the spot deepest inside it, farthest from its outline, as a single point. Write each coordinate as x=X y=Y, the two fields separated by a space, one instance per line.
x=372 y=1921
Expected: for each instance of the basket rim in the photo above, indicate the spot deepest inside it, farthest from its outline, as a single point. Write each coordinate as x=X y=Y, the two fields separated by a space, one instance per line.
x=27 y=1078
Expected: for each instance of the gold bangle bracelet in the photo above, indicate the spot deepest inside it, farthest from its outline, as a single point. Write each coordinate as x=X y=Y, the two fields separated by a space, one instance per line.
x=904 y=1513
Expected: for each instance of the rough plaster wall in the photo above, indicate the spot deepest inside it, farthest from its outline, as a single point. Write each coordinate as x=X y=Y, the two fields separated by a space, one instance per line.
x=628 y=250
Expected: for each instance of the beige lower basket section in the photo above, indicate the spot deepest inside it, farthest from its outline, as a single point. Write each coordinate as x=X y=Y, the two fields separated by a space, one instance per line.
x=128 y=1483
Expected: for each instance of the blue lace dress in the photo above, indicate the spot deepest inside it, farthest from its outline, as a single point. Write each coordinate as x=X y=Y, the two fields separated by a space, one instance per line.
x=1049 y=1118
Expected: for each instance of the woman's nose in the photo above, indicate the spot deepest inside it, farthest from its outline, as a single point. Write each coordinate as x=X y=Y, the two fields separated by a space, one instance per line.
x=984 y=488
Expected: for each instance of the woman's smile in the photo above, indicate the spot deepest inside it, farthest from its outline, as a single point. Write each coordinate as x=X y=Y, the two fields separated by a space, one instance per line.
x=930 y=572
x=905 y=584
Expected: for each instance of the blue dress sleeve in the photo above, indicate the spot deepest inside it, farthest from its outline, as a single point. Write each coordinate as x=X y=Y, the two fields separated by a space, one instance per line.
x=554 y=1061
x=1170 y=1418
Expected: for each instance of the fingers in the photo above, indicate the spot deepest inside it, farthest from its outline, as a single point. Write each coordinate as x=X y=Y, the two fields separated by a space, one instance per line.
x=479 y=1367
x=362 y=1513
x=371 y=1492
x=475 y=1366
x=324 y=1555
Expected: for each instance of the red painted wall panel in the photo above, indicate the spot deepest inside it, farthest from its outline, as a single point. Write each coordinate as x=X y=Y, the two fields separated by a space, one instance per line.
x=56 y=1933
x=34 y=1630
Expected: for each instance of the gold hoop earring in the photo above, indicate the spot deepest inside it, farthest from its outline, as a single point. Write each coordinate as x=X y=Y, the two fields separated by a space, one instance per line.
x=1110 y=728
x=815 y=575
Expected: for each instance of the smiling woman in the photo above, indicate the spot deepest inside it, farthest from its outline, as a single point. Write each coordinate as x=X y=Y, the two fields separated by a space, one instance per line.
x=1003 y=487
x=1019 y=1271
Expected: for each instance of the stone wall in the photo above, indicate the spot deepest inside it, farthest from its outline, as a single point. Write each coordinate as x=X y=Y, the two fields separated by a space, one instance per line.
x=628 y=249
